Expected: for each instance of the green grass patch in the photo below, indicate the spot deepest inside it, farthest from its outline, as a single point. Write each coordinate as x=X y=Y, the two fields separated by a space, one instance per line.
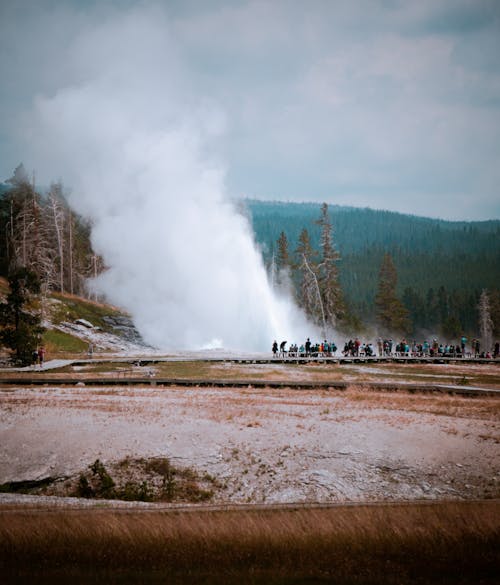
x=72 y=308
x=60 y=342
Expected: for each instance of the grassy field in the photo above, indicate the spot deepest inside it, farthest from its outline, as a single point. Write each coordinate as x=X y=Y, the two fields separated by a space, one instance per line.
x=419 y=543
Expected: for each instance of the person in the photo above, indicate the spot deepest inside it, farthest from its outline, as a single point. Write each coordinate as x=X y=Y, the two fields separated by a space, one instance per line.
x=35 y=357
x=41 y=355
x=275 y=348
x=282 y=348
x=463 y=341
x=308 y=347
x=496 y=351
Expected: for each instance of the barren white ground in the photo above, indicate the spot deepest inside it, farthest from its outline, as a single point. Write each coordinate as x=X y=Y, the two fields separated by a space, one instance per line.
x=265 y=445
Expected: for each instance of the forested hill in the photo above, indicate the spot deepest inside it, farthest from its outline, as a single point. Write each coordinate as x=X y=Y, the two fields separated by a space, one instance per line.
x=356 y=229
x=459 y=259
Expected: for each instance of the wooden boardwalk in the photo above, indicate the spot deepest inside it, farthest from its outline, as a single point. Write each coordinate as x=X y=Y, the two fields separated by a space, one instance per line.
x=463 y=390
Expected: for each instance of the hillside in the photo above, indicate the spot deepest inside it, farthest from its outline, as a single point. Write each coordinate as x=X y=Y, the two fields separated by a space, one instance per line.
x=73 y=323
x=442 y=265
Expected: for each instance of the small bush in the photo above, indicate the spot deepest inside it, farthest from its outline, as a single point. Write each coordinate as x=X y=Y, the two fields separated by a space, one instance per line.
x=145 y=480
x=84 y=489
x=105 y=487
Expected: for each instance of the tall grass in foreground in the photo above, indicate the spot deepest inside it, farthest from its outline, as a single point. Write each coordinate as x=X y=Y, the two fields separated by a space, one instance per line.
x=419 y=543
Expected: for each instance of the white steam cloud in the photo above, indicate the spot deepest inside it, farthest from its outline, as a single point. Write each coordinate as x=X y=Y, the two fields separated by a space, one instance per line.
x=130 y=137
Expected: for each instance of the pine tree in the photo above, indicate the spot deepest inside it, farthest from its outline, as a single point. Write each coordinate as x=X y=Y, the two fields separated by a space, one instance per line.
x=331 y=292
x=283 y=268
x=415 y=305
x=392 y=316
x=283 y=257
x=20 y=316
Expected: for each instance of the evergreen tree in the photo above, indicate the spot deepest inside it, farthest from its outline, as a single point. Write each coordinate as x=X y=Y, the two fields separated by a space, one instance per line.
x=20 y=320
x=283 y=258
x=415 y=305
x=282 y=269
x=331 y=292
x=431 y=319
x=392 y=316
x=451 y=328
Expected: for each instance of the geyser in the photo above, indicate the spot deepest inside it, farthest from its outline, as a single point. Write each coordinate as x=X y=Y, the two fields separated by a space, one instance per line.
x=126 y=135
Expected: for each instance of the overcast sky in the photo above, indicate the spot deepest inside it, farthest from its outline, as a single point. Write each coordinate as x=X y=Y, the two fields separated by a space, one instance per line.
x=386 y=104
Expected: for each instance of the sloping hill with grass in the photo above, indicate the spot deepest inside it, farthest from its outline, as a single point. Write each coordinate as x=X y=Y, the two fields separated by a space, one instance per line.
x=73 y=324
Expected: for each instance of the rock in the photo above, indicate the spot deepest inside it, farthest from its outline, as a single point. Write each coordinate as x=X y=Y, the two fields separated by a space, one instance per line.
x=124 y=327
x=85 y=323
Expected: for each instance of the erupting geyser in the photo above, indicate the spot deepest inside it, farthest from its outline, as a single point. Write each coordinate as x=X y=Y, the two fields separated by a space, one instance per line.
x=122 y=134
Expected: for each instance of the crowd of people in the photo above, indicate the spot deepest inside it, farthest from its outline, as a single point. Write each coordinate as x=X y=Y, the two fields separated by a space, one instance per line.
x=307 y=349
x=387 y=347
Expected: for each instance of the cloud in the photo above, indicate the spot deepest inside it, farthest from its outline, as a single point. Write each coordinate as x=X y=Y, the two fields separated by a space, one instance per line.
x=393 y=103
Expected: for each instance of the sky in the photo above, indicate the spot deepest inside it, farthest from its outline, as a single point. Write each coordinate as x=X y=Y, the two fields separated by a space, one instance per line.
x=385 y=104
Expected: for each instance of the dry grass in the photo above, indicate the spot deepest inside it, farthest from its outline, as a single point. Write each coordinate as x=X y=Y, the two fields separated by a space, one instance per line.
x=437 y=543
x=437 y=404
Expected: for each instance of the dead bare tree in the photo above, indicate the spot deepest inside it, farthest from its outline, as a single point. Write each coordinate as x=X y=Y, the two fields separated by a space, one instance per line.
x=70 y=250
x=56 y=210
x=311 y=285
x=485 y=321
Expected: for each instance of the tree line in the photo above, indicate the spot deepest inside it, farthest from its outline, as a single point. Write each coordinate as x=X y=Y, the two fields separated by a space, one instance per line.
x=401 y=273
x=40 y=232
x=44 y=247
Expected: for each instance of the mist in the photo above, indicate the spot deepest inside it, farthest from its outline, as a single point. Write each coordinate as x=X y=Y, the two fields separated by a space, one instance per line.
x=137 y=146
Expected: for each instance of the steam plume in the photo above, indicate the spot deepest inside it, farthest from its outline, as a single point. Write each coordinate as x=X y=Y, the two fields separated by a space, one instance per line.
x=132 y=142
